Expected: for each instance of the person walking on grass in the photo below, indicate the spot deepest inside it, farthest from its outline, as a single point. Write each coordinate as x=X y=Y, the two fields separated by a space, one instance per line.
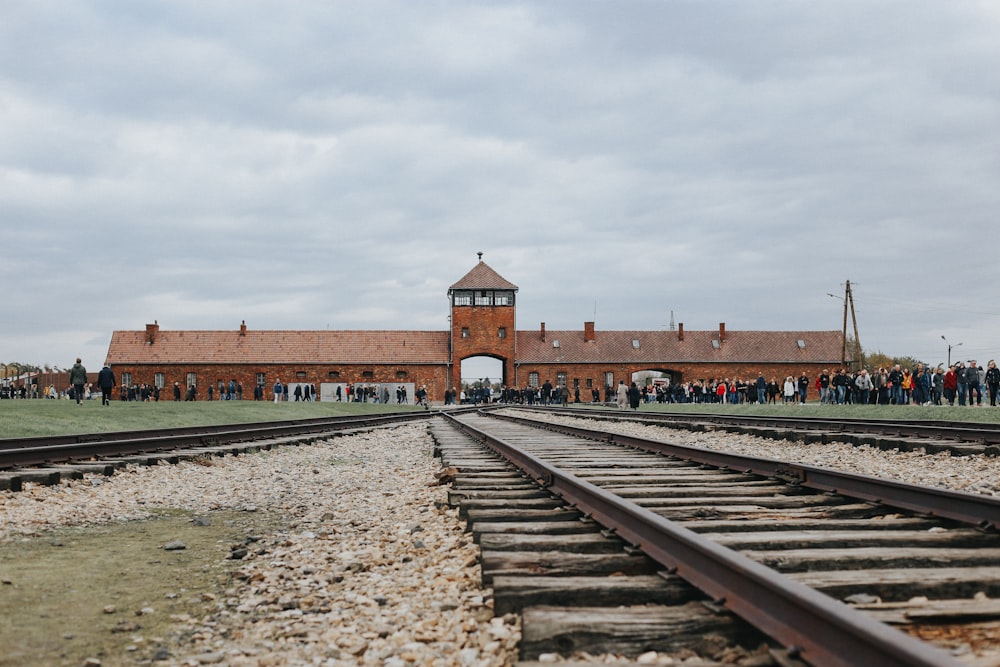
x=106 y=383
x=78 y=378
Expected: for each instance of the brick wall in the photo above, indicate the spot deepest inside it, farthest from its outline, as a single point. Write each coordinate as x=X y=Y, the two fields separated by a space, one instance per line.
x=435 y=377
x=483 y=324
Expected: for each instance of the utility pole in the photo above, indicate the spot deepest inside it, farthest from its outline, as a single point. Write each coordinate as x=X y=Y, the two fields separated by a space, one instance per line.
x=849 y=297
x=848 y=300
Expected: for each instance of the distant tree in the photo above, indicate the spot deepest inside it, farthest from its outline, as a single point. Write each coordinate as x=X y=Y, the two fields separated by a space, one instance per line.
x=876 y=360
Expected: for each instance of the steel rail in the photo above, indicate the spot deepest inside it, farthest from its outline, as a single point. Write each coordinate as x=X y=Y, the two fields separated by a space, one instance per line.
x=988 y=434
x=813 y=626
x=59 y=449
x=206 y=430
x=978 y=510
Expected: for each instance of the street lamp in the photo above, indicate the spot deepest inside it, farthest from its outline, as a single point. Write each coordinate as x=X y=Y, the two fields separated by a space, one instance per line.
x=843 y=345
x=949 y=349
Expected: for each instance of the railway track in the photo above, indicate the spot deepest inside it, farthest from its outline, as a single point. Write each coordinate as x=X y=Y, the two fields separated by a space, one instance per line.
x=610 y=544
x=47 y=459
x=955 y=437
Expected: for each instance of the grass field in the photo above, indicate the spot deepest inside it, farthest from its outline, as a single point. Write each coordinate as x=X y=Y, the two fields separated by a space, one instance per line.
x=21 y=419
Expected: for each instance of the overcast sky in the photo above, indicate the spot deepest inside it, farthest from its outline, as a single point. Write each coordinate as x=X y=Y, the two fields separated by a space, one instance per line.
x=318 y=164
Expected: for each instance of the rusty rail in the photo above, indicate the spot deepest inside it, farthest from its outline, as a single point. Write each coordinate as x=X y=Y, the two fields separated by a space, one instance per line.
x=21 y=452
x=978 y=510
x=820 y=630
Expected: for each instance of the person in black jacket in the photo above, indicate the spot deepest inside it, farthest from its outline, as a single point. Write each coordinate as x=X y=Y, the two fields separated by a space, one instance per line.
x=634 y=396
x=992 y=381
x=106 y=383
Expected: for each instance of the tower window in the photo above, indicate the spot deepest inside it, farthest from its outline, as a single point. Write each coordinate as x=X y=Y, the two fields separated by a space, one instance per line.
x=502 y=332
x=465 y=332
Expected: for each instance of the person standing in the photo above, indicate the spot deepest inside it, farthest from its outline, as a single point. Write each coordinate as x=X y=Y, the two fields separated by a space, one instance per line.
x=937 y=384
x=803 y=387
x=972 y=384
x=864 y=385
x=788 y=390
x=634 y=396
x=761 y=386
x=992 y=381
x=960 y=379
x=106 y=382
x=622 y=395
x=278 y=391
x=78 y=378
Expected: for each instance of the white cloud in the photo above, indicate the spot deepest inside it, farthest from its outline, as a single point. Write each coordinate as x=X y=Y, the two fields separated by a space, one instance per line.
x=338 y=164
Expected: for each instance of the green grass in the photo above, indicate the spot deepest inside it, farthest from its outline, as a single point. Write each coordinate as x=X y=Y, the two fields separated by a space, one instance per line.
x=986 y=415
x=22 y=419
x=27 y=418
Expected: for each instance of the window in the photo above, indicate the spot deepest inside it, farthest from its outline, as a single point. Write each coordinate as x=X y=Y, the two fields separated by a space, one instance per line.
x=533 y=379
x=590 y=383
x=561 y=379
x=401 y=374
x=192 y=379
x=503 y=299
x=333 y=374
x=159 y=380
x=126 y=379
x=502 y=332
x=465 y=332
x=609 y=378
x=463 y=298
x=368 y=375
x=555 y=343
x=484 y=298
x=300 y=374
x=261 y=379
x=635 y=343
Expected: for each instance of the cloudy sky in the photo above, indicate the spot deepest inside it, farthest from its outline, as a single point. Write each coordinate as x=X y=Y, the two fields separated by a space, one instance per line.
x=322 y=164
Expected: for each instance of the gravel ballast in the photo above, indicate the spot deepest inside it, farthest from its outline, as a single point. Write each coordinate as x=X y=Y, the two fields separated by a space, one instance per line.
x=370 y=566
x=373 y=567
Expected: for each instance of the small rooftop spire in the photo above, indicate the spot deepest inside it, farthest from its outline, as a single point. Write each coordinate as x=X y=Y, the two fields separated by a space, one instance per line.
x=480 y=256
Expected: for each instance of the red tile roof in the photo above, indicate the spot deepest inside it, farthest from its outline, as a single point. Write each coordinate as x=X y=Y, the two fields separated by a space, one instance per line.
x=697 y=347
x=280 y=347
x=483 y=277
x=432 y=347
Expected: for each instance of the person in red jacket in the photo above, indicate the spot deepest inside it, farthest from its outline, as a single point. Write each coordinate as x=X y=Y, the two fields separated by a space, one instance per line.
x=950 y=385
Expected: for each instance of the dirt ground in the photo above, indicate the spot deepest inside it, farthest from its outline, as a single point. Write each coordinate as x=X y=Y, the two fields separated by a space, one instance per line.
x=112 y=592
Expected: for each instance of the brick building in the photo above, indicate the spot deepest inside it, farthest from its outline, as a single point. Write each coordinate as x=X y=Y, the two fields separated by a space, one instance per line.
x=483 y=324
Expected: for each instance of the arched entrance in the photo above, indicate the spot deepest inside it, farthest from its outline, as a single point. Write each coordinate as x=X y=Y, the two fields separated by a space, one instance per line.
x=658 y=385
x=480 y=373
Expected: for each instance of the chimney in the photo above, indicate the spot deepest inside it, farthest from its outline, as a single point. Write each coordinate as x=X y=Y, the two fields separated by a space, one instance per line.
x=722 y=332
x=588 y=331
x=151 y=331
x=543 y=332
x=243 y=328
x=680 y=331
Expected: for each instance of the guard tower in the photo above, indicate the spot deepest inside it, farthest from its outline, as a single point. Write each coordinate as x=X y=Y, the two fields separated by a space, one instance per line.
x=482 y=320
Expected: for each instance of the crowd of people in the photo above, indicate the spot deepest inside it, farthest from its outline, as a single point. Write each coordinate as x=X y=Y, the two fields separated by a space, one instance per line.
x=964 y=384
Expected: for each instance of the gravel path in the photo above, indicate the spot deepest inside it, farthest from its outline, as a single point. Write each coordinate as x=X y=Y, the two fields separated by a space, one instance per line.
x=375 y=569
